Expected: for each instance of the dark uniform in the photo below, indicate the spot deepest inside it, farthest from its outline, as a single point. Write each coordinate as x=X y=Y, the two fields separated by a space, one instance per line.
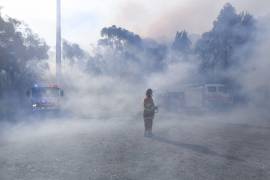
x=148 y=115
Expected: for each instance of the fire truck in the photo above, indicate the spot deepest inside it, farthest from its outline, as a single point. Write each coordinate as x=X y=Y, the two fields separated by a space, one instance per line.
x=45 y=97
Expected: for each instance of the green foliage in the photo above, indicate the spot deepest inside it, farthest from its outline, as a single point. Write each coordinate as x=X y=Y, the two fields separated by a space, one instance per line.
x=119 y=38
x=227 y=45
x=125 y=53
x=181 y=42
x=18 y=47
x=72 y=52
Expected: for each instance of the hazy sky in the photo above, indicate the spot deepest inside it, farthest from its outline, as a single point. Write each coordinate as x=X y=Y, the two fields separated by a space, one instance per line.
x=160 y=19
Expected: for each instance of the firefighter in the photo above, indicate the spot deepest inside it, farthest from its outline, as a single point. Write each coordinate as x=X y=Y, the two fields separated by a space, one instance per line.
x=149 y=113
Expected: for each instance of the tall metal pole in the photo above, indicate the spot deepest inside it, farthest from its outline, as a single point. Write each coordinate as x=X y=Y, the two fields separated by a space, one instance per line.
x=58 y=43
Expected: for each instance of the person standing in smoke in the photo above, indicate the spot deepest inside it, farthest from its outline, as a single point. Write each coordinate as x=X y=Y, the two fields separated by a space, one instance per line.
x=148 y=113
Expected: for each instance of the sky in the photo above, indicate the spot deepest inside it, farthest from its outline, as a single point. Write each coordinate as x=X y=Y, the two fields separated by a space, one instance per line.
x=82 y=20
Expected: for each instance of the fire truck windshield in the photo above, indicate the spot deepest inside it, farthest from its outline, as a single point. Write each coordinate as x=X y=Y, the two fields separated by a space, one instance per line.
x=45 y=92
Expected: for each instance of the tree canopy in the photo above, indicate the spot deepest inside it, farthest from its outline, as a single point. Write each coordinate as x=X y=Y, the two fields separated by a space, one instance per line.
x=18 y=47
x=231 y=32
x=181 y=42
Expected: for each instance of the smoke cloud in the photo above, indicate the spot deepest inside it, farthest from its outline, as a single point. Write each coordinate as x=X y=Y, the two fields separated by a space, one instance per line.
x=100 y=130
x=256 y=71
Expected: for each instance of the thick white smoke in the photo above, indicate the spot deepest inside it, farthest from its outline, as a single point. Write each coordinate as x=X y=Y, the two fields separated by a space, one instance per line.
x=255 y=77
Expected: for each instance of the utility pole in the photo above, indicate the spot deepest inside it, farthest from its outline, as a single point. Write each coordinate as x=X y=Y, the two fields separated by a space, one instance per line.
x=58 y=42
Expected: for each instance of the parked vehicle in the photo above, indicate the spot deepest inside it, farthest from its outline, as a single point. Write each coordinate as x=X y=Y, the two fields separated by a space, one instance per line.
x=206 y=96
x=45 y=97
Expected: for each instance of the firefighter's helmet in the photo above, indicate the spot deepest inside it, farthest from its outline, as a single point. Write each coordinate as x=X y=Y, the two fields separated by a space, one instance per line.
x=149 y=92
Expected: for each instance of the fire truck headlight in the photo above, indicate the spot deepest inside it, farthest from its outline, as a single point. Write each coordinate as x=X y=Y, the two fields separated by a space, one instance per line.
x=34 y=105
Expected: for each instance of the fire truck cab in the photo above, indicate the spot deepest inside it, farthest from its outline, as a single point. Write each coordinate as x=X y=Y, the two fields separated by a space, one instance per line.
x=45 y=97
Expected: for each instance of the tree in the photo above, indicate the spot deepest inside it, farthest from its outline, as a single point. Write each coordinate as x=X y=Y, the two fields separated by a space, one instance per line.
x=19 y=46
x=225 y=46
x=119 y=38
x=181 y=43
x=122 y=52
x=73 y=52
